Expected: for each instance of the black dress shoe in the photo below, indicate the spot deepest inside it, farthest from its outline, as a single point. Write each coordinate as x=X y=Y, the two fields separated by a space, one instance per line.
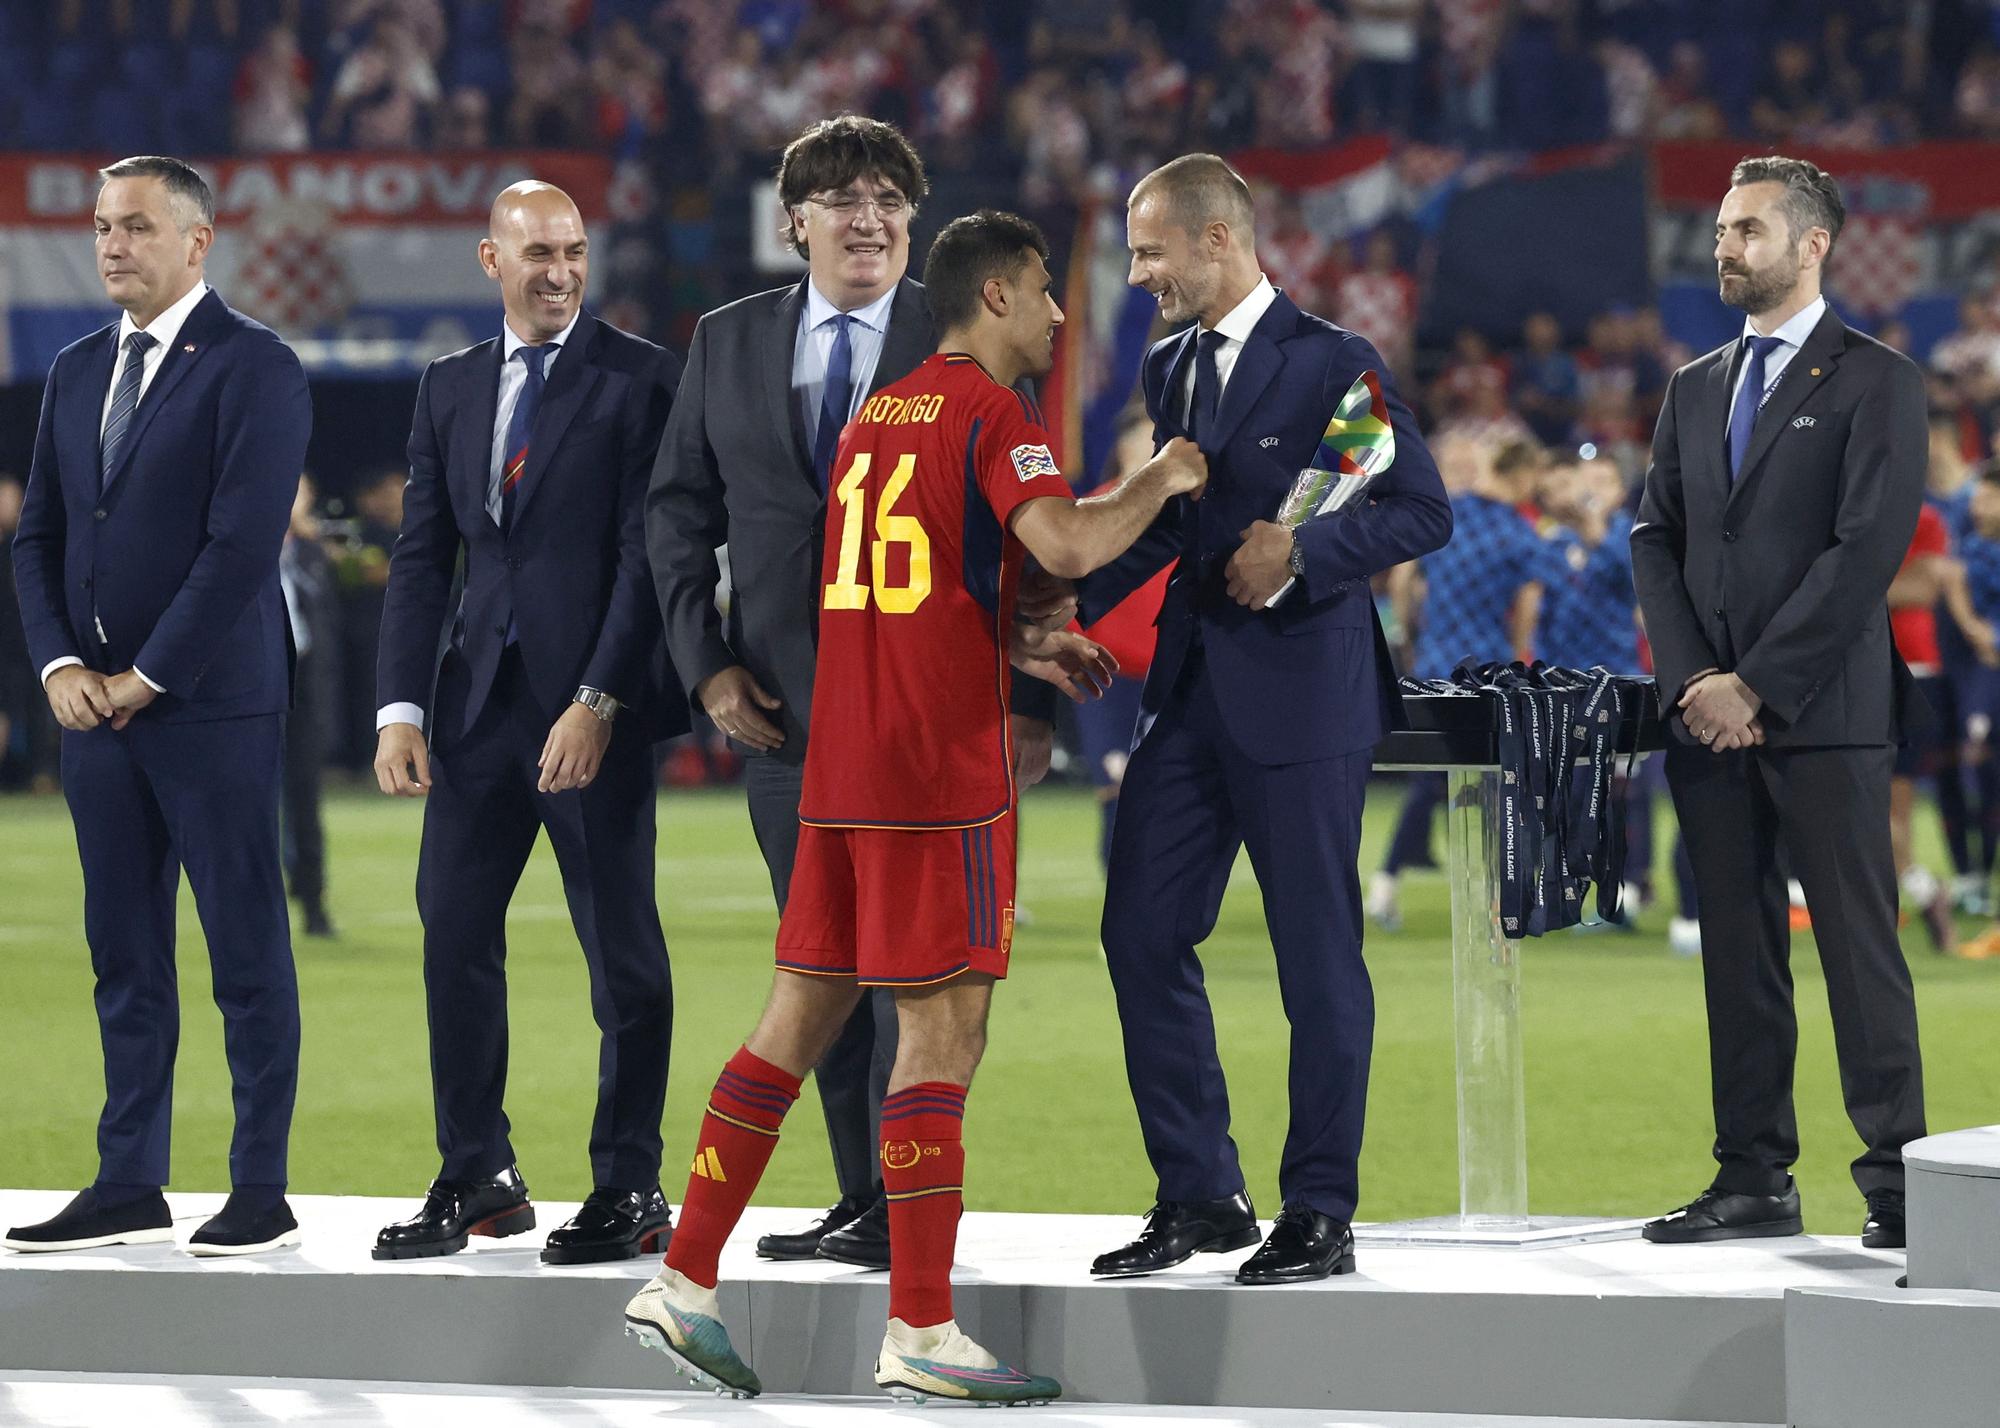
x=1884 y=1228
x=805 y=1243
x=612 y=1224
x=1178 y=1230
x=863 y=1241
x=246 y=1224
x=93 y=1219
x=1717 y=1214
x=1303 y=1245
x=453 y=1211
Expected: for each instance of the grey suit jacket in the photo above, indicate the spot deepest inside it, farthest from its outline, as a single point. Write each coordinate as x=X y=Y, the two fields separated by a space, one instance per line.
x=735 y=468
x=1782 y=576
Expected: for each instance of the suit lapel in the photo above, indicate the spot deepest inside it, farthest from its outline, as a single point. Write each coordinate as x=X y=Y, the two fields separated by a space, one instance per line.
x=1256 y=365
x=909 y=340
x=1817 y=357
x=1719 y=385
x=86 y=408
x=470 y=462
x=575 y=378
x=1173 y=394
x=187 y=348
x=781 y=337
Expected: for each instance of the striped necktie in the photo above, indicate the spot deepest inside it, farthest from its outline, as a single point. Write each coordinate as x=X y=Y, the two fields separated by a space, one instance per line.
x=519 y=428
x=124 y=402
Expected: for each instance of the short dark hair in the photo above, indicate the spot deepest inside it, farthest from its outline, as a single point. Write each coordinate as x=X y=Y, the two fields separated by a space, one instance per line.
x=193 y=200
x=970 y=250
x=1811 y=198
x=840 y=151
x=1200 y=189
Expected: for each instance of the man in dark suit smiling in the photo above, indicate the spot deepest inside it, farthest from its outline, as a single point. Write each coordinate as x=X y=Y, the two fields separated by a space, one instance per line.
x=1787 y=471
x=528 y=457
x=1256 y=730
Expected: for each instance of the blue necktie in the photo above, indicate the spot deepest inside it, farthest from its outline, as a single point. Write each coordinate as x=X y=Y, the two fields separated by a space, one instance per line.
x=833 y=405
x=519 y=428
x=1749 y=398
x=118 y=421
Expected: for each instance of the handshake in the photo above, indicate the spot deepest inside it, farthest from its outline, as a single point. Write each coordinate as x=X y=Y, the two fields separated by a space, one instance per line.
x=82 y=698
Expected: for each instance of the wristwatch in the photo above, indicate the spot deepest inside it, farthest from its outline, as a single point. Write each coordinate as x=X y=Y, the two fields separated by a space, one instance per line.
x=598 y=702
x=1296 y=559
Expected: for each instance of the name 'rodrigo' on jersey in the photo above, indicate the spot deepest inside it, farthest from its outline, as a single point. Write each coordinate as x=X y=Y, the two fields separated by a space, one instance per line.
x=909 y=720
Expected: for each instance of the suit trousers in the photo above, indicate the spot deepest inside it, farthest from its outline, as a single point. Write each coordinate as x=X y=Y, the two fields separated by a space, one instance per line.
x=148 y=801
x=481 y=819
x=1829 y=807
x=853 y=1076
x=1191 y=798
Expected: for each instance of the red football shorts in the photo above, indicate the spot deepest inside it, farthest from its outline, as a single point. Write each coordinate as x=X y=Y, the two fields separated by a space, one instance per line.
x=900 y=907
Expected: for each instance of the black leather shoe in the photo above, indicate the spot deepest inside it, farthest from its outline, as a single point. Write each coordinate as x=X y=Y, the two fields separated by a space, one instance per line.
x=1724 y=1215
x=93 y=1219
x=612 y=1224
x=246 y=1224
x=863 y=1241
x=805 y=1243
x=1884 y=1228
x=1303 y=1245
x=1178 y=1230
x=453 y=1211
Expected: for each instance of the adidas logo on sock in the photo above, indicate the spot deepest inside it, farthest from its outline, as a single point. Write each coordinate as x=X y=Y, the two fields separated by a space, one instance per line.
x=708 y=1165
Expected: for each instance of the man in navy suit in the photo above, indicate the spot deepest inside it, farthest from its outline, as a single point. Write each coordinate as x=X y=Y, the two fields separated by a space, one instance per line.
x=147 y=559
x=1256 y=729
x=529 y=457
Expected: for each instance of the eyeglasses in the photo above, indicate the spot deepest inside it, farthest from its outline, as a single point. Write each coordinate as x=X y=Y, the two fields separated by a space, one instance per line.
x=888 y=207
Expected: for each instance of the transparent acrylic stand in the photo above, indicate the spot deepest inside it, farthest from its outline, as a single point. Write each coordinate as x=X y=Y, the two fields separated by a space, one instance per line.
x=1486 y=1022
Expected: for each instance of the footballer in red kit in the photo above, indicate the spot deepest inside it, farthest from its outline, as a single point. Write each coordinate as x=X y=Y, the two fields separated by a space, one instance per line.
x=905 y=872
x=942 y=485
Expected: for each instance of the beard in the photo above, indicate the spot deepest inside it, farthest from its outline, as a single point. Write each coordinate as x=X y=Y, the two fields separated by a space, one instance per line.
x=1761 y=289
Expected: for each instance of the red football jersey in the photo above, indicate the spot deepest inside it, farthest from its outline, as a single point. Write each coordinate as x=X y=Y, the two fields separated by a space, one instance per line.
x=1915 y=626
x=909 y=716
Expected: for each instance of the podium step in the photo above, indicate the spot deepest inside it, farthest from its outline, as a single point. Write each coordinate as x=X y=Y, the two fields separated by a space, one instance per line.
x=1864 y=1359
x=60 y=1401
x=1953 y=1202
x=1620 y=1330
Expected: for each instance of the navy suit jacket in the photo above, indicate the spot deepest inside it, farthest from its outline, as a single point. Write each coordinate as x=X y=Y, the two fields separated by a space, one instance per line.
x=175 y=551
x=571 y=573
x=1312 y=678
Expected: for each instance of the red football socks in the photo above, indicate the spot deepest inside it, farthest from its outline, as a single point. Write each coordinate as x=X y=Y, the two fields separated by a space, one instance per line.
x=738 y=1134
x=923 y=1172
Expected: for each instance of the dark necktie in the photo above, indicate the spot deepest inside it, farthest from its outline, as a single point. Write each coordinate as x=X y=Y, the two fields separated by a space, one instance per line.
x=124 y=402
x=1207 y=385
x=519 y=428
x=838 y=397
x=1749 y=397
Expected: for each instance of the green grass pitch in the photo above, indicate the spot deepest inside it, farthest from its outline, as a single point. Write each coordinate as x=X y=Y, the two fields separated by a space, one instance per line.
x=1617 y=1052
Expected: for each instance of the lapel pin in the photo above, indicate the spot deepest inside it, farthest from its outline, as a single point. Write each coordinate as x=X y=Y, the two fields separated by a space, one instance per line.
x=190 y=348
x=1815 y=371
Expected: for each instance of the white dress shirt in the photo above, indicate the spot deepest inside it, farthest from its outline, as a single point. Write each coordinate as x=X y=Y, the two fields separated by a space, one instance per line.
x=1236 y=326
x=814 y=349
x=163 y=330
x=513 y=377
x=1791 y=336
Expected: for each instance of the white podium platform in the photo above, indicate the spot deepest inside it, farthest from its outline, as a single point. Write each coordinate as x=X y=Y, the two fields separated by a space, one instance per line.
x=60 y=1401
x=1954 y=1208
x=1618 y=1330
